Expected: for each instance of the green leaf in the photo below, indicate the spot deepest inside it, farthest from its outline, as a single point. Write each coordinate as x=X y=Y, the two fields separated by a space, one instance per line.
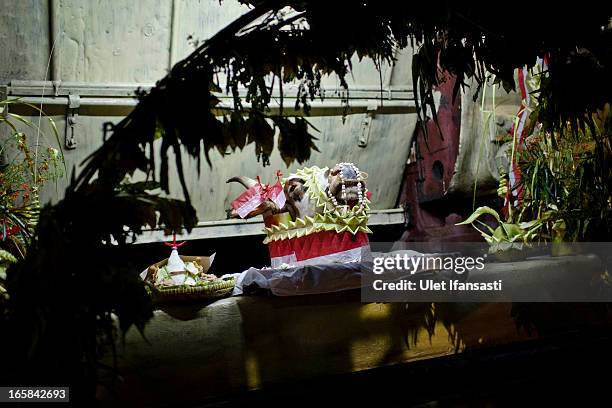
x=500 y=234
x=480 y=211
x=7 y=257
x=22 y=120
x=512 y=231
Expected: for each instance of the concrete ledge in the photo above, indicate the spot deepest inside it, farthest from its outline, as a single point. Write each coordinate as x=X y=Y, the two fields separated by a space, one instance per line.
x=243 y=343
x=196 y=351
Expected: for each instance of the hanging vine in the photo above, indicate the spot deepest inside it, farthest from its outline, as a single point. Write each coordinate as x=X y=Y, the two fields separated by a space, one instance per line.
x=77 y=272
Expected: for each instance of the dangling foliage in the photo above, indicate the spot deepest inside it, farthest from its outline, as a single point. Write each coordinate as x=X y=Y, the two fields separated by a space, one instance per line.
x=74 y=276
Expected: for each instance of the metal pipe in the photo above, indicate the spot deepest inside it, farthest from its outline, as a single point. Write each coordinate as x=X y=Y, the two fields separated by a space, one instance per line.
x=174 y=21
x=253 y=226
x=19 y=83
x=123 y=106
x=29 y=87
x=54 y=36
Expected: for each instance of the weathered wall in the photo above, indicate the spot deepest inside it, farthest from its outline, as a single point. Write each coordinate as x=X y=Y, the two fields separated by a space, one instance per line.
x=24 y=39
x=102 y=44
x=126 y=41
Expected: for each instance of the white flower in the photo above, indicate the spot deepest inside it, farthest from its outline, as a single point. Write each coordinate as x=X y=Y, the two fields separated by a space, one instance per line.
x=53 y=153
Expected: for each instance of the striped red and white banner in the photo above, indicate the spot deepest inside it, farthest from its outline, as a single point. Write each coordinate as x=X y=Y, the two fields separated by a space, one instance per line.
x=514 y=195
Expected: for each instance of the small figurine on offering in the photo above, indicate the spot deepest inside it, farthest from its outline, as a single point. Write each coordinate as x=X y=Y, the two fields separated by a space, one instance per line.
x=179 y=271
x=316 y=215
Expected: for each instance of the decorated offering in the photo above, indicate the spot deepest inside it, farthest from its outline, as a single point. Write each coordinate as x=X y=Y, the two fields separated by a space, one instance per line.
x=192 y=274
x=323 y=217
x=185 y=277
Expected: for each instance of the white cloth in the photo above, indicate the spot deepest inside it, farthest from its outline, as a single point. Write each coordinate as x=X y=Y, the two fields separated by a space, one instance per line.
x=307 y=279
x=350 y=255
x=302 y=280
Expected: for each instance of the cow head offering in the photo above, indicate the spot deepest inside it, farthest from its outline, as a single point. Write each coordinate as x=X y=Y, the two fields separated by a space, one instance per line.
x=343 y=184
x=298 y=204
x=346 y=185
x=256 y=200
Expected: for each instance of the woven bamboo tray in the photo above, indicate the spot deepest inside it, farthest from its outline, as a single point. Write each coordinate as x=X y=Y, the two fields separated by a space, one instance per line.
x=212 y=290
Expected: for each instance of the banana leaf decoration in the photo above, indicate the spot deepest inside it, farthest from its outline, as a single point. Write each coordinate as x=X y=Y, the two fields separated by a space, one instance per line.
x=329 y=217
x=507 y=235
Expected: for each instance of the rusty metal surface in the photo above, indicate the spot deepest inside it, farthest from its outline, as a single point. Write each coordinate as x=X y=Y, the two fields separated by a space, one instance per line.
x=455 y=163
x=429 y=172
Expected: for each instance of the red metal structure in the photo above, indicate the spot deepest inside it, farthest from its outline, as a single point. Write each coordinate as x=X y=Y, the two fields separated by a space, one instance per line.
x=428 y=174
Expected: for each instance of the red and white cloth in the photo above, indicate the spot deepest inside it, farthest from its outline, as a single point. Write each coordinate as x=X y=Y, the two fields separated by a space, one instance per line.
x=256 y=195
x=322 y=247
